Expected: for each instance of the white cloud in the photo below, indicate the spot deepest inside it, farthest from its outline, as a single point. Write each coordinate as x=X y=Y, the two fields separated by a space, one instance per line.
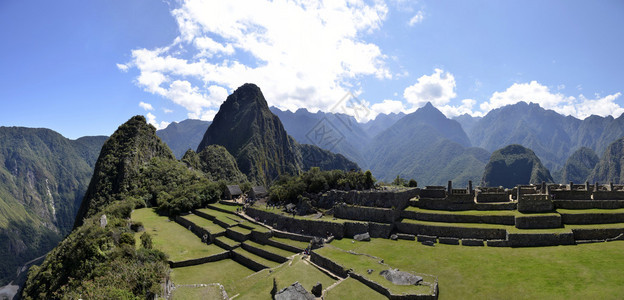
x=437 y=88
x=465 y=108
x=535 y=92
x=167 y=111
x=151 y=119
x=417 y=18
x=123 y=67
x=146 y=106
x=301 y=53
x=387 y=107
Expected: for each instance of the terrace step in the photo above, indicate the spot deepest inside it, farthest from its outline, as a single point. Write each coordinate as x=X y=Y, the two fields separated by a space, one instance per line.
x=538 y=221
x=238 y=233
x=591 y=216
x=540 y=237
x=266 y=251
x=470 y=216
x=226 y=243
x=251 y=260
x=456 y=230
x=287 y=244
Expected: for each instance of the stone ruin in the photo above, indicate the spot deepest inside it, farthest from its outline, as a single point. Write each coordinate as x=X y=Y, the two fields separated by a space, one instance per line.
x=400 y=278
x=294 y=292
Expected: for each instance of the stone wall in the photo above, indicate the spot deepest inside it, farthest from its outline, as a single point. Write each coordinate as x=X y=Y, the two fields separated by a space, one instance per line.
x=199 y=261
x=224 y=245
x=353 y=228
x=455 y=218
x=247 y=262
x=293 y=236
x=538 y=221
x=597 y=234
x=303 y=226
x=283 y=246
x=372 y=198
x=572 y=195
x=593 y=218
x=197 y=230
x=588 y=204
x=608 y=195
x=538 y=240
x=263 y=253
x=362 y=213
x=328 y=264
x=449 y=231
x=379 y=230
x=535 y=203
x=237 y=236
x=492 y=197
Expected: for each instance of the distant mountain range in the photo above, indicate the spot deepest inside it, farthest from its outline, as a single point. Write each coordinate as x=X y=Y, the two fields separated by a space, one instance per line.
x=43 y=178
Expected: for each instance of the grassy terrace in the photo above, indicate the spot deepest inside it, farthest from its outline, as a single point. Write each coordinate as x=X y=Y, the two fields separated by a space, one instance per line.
x=290 y=242
x=462 y=212
x=192 y=293
x=227 y=218
x=240 y=230
x=258 y=286
x=256 y=258
x=228 y=241
x=352 y=289
x=227 y=272
x=230 y=208
x=596 y=226
x=562 y=272
x=270 y=248
x=464 y=225
x=361 y=263
x=205 y=223
x=591 y=211
x=171 y=238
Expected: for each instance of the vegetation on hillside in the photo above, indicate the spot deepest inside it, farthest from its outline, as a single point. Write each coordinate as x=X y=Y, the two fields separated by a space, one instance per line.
x=579 y=165
x=133 y=144
x=43 y=177
x=514 y=165
x=290 y=188
x=216 y=162
x=609 y=168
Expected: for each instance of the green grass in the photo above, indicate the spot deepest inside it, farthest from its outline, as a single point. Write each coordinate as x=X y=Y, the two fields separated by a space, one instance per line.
x=205 y=223
x=226 y=272
x=228 y=241
x=270 y=248
x=192 y=293
x=563 y=272
x=290 y=242
x=230 y=219
x=352 y=289
x=565 y=229
x=230 y=208
x=240 y=230
x=361 y=263
x=171 y=238
x=256 y=258
x=591 y=211
x=259 y=285
x=596 y=226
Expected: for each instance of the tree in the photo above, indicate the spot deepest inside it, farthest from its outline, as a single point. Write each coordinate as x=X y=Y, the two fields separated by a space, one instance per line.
x=146 y=240
x=412 y=183
x=399 y=181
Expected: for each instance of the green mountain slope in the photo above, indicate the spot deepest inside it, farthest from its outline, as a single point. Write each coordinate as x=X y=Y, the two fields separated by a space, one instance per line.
x=43 y=177
x=216 y=162
x=609 y=168
x=579 y=165
x=256 y=137
x=183 y=136
x=133 y=144
x=514 y=165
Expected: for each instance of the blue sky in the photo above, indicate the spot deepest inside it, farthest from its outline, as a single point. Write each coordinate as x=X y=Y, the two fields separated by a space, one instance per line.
x=85 y=67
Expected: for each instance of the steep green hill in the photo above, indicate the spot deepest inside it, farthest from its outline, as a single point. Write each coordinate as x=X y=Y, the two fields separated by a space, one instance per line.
x=256 y=137
x=216 y=162
x=579 y=165
x=43 y=177
x=133 y=144
x=183 y=136
x=609 y=168
x=514 y=165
